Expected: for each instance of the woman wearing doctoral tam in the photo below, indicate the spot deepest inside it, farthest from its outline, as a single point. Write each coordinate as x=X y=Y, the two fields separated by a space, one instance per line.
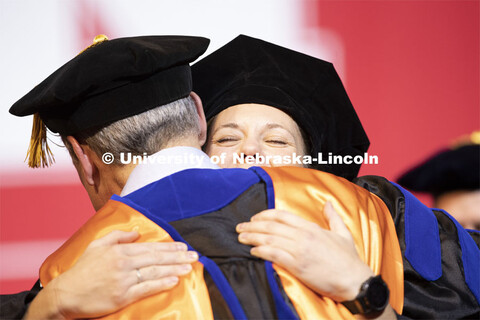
x=440 y=259
x=252 y=71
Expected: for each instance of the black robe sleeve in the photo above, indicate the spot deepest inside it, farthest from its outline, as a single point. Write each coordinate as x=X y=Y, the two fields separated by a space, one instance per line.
x=440 y=258
x=14 y=306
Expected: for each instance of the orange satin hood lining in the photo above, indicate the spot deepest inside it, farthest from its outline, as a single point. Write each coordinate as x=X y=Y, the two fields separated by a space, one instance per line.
x=188 y=300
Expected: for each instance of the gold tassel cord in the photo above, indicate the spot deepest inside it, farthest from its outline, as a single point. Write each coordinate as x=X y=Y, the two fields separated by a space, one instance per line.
x=98 y=39
x=39 y=153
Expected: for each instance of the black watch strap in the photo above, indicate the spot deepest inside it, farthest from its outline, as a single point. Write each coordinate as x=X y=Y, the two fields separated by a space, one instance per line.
x=372 y=298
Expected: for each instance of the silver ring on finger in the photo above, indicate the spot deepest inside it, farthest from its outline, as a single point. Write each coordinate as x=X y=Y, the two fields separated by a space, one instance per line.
x=139 y=276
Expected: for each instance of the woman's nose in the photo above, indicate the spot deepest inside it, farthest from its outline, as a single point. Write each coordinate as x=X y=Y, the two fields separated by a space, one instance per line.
x=251 y=147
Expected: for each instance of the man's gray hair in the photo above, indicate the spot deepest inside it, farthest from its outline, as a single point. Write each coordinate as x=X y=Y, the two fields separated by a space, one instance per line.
x=147 y=132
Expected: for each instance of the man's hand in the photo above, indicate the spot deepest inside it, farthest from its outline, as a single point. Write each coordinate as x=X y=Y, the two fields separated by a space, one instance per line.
x=112 y=273
x=325 y=260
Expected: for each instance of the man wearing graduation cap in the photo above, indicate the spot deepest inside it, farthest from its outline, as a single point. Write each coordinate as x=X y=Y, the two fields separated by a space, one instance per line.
x=114 y=76
x=440 y=259
x=452 y=177
x=134 y=95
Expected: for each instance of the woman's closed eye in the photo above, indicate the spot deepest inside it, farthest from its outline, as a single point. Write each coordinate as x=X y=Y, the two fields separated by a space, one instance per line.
x=226 y=140
x=276 y=141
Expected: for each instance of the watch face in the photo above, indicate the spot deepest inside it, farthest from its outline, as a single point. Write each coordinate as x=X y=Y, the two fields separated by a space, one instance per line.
x=377 y=294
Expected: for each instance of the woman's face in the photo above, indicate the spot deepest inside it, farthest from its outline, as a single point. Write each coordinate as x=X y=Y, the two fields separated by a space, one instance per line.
x=253 y=130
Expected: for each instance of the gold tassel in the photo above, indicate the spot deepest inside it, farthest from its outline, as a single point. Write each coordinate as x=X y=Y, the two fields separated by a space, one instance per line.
x=39 y=154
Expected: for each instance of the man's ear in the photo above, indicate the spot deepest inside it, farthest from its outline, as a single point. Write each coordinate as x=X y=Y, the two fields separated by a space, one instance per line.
x=201 y=118
x=85 y=163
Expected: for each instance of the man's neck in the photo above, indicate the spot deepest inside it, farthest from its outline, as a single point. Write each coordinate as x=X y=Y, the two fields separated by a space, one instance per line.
x=111 y=179
x=120 y=174
x=164 y=163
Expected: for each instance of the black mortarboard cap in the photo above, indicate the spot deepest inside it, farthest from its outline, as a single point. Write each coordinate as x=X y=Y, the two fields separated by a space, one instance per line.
x=112 y=80
x=249 y=70
x=446 y=171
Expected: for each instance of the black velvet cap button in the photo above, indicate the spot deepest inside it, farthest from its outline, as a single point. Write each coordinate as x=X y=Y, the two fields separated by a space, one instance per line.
x=249 y=70
x=113 y=80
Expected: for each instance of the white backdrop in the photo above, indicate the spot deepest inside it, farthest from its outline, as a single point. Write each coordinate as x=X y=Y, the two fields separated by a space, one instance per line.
x=37 y=37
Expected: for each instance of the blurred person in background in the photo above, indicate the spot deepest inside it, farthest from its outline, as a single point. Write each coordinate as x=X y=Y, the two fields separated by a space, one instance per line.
x=452 y=178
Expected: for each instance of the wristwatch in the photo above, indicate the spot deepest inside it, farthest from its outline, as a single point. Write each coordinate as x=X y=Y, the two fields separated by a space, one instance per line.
x=372 y=298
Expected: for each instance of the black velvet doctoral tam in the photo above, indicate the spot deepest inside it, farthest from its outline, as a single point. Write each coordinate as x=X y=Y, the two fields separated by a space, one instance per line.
x=249 y=70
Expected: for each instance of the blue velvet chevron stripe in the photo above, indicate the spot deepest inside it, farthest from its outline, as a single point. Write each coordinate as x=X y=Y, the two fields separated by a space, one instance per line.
x=224 y=186
x=422 y=240
x=283 y=310
x=224 y=287
x=269 y=186
x=153 y=217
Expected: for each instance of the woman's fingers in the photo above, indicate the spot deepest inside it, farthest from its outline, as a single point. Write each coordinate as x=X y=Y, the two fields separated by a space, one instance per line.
x=115 y=237
x=163 y=258
x=148 y=288
x=274 y=254
x=159 y=272
x=283 y=217
x=269 y=226
x=258 y=239
x=133 y=249
x=288 y=225
x=335 y=221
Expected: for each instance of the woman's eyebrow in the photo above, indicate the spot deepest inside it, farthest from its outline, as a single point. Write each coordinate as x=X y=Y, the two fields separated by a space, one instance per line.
x=232 y=125
x=275 y=125
x=278 y=126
